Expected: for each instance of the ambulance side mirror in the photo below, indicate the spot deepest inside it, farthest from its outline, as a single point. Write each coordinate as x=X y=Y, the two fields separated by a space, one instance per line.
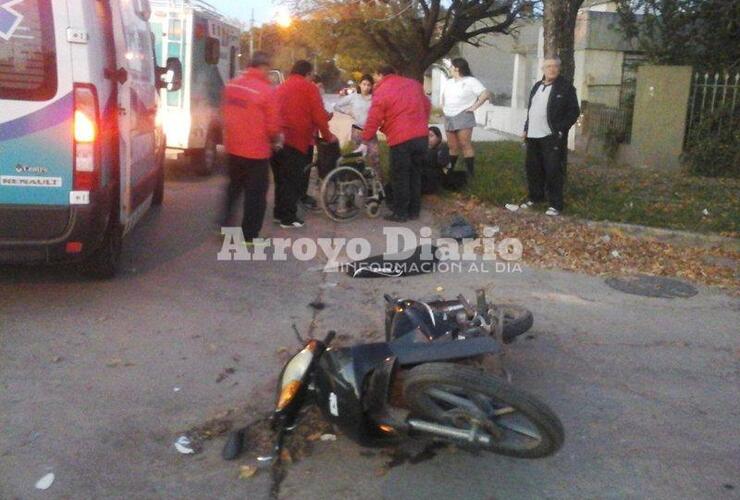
x=170 y=77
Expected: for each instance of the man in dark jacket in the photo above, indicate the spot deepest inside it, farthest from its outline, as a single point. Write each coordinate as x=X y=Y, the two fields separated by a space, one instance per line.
x=553 y=109
x=400 y=109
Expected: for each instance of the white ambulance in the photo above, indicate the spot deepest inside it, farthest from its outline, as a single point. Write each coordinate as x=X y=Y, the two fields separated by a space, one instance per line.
x=208 y=46
x=81 y=157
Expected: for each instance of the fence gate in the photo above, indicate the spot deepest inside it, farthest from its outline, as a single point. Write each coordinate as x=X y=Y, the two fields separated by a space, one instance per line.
x=710 y=92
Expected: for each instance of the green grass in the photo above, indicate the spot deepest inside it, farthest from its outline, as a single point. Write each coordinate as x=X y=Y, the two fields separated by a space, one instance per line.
x=669 y=199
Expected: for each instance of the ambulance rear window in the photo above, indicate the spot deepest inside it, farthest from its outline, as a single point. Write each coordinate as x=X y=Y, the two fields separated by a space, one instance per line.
x=27 y=55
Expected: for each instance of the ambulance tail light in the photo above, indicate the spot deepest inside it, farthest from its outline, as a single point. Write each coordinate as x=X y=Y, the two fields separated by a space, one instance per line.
x=86 y=137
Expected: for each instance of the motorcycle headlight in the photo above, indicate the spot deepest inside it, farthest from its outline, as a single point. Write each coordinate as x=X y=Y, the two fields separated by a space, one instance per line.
x=293 y=375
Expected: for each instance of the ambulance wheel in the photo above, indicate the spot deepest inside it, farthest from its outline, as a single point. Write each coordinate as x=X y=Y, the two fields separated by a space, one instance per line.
x=104 y=262
x=205 y=159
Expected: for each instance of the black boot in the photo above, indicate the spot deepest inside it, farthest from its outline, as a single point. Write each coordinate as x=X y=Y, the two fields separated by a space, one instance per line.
x=453 y=162
x=470 y=166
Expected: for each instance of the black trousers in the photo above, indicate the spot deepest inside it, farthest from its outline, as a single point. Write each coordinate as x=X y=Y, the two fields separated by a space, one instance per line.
x=288 y=166
x=546 y=170
x=407 y=162
x=307 y=173
x=252 y=178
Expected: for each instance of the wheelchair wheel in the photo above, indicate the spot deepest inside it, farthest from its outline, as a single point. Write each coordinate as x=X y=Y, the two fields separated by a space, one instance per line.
x=343 y=193
x=372 y=209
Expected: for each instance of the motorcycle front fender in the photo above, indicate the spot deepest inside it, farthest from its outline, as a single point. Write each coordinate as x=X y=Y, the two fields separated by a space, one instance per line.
x=342 y=393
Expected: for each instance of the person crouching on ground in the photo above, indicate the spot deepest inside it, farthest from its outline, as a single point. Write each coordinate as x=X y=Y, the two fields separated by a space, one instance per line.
x=552 y=111
x=251 y=129
x=438 y=161
x=461 y=96
x=400 y=109
x=301 y=113
x=357 y=105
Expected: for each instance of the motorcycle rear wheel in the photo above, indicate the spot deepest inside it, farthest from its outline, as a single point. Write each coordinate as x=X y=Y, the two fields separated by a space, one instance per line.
x=461 y=396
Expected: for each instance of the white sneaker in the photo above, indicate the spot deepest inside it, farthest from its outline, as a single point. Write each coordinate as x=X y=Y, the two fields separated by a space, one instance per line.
x=552 y=212
x=526 y=205
x=294 y=224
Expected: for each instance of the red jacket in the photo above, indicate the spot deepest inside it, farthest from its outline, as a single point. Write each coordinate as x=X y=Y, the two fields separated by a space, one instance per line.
x=400 y=109
x=250 y=115
x=301 y=112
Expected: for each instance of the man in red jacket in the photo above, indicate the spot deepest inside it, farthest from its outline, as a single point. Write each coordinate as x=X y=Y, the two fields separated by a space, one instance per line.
x=301 y=113
x=400 y=109
x=251 y=129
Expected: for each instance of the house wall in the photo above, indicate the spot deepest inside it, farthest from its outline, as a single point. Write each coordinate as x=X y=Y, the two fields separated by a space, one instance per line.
x=599 y=76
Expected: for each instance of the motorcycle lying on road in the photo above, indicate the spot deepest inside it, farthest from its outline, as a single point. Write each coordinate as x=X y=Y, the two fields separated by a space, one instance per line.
x=419 y=383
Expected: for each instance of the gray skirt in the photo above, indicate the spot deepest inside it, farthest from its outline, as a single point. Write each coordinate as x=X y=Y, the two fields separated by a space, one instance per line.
x=464 y=120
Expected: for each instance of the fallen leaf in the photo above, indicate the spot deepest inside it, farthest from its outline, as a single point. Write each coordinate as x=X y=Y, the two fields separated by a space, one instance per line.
x=247 y=471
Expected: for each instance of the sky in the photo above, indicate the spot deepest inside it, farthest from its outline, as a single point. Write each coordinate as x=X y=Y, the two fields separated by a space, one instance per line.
x=242 y=9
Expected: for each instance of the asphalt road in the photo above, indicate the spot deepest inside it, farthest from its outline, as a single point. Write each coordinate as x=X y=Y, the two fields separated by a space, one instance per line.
x=97 y=379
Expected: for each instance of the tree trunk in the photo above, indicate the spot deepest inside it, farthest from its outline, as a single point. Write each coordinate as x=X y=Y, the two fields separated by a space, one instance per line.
x=559 y=25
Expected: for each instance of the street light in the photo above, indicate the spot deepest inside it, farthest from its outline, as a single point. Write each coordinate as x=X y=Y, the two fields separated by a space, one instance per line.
x=283 y=18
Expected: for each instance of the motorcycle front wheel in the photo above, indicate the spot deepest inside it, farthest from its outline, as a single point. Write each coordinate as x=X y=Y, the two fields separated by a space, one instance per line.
x=518 y=424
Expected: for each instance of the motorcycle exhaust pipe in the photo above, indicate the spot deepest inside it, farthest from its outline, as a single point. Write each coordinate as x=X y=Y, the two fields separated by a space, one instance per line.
x=450 y=432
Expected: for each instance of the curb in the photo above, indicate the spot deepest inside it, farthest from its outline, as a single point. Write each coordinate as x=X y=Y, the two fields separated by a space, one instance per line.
x=685 y=238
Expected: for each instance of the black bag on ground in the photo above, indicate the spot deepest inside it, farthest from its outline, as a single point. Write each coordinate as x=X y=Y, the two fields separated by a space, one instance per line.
x=455 y=180
x=381 y=266
x=459 y=229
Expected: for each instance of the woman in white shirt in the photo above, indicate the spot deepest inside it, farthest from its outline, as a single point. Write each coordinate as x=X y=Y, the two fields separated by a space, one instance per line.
x=357 y=105
x=462 y=95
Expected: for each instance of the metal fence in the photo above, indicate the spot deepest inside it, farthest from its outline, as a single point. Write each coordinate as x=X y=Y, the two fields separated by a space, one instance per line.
x=600 y=120
x=709 y=93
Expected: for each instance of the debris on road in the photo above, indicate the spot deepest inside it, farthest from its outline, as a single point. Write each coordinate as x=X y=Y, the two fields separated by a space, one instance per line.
x=328 y=437
x=224 y=374
x=314 y=437
x=511 y=207
x=176 y=389
x=459 y=229
x=247 y=471
x=317 y=305
x=184 y=445
x=45 y=482
x=57 y=359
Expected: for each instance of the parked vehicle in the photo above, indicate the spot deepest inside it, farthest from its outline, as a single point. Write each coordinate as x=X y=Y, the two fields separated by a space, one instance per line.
x=81 y=157
x=442 y=394
x=208 y=46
